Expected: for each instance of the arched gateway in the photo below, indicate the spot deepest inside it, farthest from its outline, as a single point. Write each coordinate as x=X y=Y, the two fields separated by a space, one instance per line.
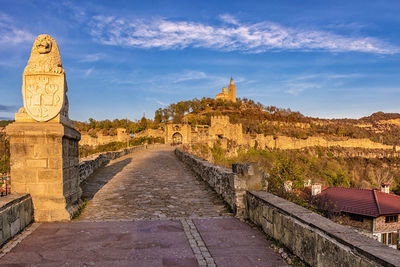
x=177 y=138
x=177 y=134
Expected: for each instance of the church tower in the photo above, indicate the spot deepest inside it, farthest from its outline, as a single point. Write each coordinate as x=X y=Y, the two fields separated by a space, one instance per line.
x=230 y=95
x=232 y=91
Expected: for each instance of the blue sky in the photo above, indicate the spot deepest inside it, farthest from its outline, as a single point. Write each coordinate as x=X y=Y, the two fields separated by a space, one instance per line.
x=329 y=59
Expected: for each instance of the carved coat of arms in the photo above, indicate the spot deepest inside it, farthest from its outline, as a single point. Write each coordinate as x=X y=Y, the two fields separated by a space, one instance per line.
x=43 y=96
x=44 y=85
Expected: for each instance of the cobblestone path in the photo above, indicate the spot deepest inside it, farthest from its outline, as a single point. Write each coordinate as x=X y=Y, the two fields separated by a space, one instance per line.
x=146 y=209
x=151 y=184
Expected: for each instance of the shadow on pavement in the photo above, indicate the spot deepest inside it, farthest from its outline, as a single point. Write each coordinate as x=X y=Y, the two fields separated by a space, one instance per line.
x=100 y=177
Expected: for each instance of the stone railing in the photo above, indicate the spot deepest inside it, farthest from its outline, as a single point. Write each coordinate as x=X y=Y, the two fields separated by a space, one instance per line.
x=231 y=185
x=313 y=238
x=16 y=212
x=91 y=163
x=316 y=240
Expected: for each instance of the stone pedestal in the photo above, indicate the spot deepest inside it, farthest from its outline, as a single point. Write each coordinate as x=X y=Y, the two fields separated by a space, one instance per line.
x=44 y=163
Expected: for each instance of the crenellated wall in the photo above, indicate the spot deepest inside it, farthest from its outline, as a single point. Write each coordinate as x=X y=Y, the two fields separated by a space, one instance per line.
x=222 y=128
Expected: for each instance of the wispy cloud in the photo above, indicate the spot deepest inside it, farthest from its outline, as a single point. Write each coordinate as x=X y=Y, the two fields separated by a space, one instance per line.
x=187 y=76
x=11 y=34
x=153 y=99
x=229 y=19
x=232 y=35
x=295 y=88
x=92 y=57
x=296 y=85
x=89 y=71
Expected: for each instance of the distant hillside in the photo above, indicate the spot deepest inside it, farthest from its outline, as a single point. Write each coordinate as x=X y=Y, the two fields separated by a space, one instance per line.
x=270 y=120
x=258 y=119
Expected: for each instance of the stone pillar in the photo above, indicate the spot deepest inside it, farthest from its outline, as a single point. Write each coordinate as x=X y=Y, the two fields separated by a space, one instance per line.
x=43 y=143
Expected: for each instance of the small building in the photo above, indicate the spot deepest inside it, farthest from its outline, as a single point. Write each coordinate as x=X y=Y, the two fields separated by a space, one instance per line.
x=374 y=210
x=229 y=95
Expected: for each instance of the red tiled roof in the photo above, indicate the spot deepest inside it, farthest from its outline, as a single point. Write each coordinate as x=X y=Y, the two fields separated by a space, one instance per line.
x=367 y=202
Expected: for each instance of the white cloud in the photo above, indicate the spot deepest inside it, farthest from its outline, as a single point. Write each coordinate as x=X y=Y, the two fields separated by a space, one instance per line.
x=92 y=57
x=297 y=88
x=229 y=19
x=231 y=36
x=10 y=34
x=187 y=76
x=88 y=72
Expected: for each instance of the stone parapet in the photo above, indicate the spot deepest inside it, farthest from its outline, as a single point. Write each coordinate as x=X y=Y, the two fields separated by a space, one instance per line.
x=16 y=212
x=313 y=238
x=231 y=185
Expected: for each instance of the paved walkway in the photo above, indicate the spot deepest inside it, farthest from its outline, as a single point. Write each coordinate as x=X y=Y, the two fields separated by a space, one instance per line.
x=146 y=209
x=152 y=185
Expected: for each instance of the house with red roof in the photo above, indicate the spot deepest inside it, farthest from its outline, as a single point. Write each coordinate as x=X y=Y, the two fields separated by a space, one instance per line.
x=374 y=210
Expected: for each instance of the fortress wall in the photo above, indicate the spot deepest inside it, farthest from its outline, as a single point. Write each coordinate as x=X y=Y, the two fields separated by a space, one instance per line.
x=150 y=133
x=313 y=238
x=16 y=213
x=100 y=140
x=220 y=125
x=285 y=142
x=121 y=136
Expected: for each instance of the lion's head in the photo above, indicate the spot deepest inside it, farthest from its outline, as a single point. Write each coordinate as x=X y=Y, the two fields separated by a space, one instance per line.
x=43 y=44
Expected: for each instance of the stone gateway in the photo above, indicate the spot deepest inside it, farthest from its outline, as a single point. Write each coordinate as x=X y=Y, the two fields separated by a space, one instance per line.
x=43 y=143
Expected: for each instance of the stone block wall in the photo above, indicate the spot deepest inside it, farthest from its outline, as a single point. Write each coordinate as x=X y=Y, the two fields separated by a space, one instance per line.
x=231 y=185
x=315 y=239
x=287 y=143
x=16 y=212
x=220 y=126
x=101 y=139
x=382 y=226
x=185 y=130
x=44 y=164
x=366 y=224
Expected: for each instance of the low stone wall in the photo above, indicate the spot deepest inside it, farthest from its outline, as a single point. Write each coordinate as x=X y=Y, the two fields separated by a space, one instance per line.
x=231 y=185
x=315 y=239
x=16 y=212
x=91 y=163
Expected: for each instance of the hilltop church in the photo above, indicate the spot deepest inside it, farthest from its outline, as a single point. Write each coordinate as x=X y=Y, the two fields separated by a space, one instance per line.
x=230 y=95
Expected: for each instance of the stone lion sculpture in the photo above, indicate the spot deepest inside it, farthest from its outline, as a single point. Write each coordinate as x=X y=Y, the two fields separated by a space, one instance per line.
x=45 y=56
